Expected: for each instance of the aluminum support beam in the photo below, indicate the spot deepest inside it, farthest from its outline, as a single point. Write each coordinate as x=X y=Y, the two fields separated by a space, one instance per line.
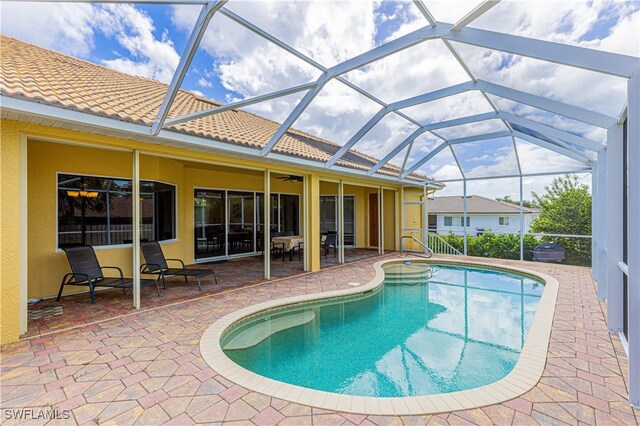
x=170 y=2
x=594 y=225
x=424 y=159
x=135 y=218
x=441 y=125
x=560 y=172
x=440 y=147
x=305 y=223
x=521 y=208
x=359 y=135
x=269 y=37
x=266 y=226
x=579 y=57
x=394 y=46
x=427 y=15
x=544 y=144
x=477 y=12
x=198 y=31
x=553 y=147
x=239 y=104
x=405 y=103
x=340 y=222
x=425 y=220
x=379 y=220
x=548 y=131
x=295 y=114
x=599 y=205
x=464 y=213
x=425 y=12
x=614 y=228
x=552 y=131
x=633 y=236
x=549 y=105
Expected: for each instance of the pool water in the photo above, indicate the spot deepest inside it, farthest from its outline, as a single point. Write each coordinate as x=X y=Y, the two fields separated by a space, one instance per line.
x=429 y=329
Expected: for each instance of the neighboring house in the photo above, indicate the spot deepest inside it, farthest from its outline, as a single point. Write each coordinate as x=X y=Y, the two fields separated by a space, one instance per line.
x=446 y=215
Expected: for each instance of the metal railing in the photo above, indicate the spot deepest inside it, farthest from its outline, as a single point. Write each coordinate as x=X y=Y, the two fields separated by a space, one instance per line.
x=440 y=246
x=428 y=253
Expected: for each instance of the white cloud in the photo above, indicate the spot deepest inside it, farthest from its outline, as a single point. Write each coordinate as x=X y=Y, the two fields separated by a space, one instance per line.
x=147 y=56
x=64 y=27
x=203 y=82
x=72 y=29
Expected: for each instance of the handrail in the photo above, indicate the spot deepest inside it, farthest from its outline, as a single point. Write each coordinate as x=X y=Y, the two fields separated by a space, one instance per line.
x=429 y=251
x=440 y=245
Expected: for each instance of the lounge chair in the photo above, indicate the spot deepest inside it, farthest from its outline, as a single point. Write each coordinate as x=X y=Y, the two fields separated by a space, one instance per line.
x=86 y=271
x=157 y=264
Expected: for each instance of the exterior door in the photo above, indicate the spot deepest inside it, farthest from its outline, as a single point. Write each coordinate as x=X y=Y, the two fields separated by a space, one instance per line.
x=209 y=223
x=373 y=219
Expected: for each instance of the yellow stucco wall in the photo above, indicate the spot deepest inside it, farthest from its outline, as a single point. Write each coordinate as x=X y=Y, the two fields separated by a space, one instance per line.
x=51 y=150
x=9 y=233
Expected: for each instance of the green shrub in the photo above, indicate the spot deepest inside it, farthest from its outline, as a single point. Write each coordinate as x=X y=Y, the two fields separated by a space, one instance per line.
x=499 y=246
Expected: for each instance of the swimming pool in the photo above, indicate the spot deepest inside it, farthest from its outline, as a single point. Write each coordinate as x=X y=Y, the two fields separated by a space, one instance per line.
x=429 y=329
x=286 y=314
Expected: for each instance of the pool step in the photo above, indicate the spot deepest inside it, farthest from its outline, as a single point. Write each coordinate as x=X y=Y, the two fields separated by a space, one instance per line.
x=255 y=333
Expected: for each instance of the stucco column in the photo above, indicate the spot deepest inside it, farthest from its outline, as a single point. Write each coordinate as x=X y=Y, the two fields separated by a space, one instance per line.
x=312 y=243
x=13 y=290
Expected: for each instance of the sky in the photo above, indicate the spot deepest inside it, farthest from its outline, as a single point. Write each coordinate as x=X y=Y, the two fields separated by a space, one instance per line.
x=233 y=63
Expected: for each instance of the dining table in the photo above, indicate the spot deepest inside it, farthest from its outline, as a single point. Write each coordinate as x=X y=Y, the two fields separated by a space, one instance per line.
x=288 y=243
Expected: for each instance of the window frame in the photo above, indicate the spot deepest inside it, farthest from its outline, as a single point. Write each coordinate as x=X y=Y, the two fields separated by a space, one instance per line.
x=502 y=221
x=176 y=221
x=256 y=216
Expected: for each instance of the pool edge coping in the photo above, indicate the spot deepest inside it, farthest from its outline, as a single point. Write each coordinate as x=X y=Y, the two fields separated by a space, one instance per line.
x=522 y=378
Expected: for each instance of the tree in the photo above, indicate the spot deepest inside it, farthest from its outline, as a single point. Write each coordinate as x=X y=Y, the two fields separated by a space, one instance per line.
x=525 y=203
x=565 y=208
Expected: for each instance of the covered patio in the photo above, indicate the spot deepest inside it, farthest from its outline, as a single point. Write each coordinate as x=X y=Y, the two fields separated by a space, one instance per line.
x=76 y=311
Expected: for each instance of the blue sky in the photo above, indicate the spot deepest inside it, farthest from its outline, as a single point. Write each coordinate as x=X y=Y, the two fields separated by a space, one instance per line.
x=233 y=63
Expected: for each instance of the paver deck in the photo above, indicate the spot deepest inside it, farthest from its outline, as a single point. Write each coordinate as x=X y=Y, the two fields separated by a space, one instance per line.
x=146 y=367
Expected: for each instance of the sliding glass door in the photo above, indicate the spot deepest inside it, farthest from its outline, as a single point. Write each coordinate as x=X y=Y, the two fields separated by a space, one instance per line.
x=240 y=235
x=209 y=223
x=329 y=217
x=228 y=223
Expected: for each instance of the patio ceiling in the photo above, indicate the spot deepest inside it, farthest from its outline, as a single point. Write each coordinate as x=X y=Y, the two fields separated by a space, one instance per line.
x=451 y=134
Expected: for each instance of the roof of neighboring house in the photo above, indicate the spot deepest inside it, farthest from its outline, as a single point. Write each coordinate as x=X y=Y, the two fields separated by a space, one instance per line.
x=476 y=204
x=45 y=76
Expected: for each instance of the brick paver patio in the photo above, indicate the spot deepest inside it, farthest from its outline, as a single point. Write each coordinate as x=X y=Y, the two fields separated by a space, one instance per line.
x=110 y=303
x=145 y=367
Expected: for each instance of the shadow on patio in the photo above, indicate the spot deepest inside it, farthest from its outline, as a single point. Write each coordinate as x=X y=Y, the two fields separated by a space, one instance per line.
x=77 y=310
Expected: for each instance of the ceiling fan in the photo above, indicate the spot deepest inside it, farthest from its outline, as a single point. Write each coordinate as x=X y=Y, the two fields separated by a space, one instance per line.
x=291 y=178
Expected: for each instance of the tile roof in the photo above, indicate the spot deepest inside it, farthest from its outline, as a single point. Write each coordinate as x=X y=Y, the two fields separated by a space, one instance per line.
x=476 y=204
x=45 y=76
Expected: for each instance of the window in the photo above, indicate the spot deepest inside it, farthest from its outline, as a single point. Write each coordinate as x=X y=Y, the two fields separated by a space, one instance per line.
x=97 y=211
x=503 y=220
x=285 y=212
x=456 y=221
x=329 y=217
